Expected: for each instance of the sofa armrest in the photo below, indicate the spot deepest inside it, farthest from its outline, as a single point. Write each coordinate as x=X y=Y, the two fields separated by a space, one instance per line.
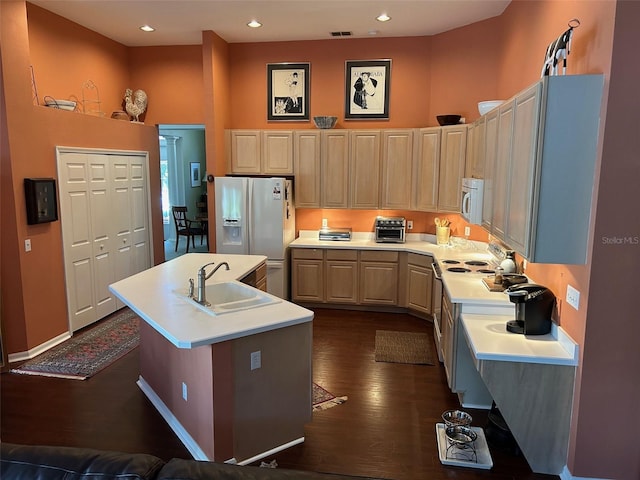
x=178 y=469
x=48 y=463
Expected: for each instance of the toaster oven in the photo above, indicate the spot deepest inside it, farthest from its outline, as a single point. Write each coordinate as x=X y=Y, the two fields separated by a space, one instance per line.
x=390 y=229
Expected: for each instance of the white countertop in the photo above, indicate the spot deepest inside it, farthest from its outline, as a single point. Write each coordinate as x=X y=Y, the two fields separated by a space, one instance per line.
x=488 y=339
x=152 y=295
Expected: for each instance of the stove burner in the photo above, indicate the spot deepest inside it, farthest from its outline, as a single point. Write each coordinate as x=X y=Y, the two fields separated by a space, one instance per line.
x=485 y=270
x=476 y=263
x=458 y=269
x=452 y=262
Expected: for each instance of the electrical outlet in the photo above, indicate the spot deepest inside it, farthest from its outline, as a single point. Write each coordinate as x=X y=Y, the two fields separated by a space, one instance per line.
x=27 y=245
x=467 y=231
x=409 y=224
x=184 y=391
x=573 y=297
x=325 y=223
x=256 y=360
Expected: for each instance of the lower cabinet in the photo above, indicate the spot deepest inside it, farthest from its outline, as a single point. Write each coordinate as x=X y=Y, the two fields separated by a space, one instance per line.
x=346 y=276
x=379 y=278
x=341 y=267
x=307 y=271
x=419 y=283
x=257 y=278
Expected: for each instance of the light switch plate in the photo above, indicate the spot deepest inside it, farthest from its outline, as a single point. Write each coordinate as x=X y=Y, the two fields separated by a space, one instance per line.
x=256 y=360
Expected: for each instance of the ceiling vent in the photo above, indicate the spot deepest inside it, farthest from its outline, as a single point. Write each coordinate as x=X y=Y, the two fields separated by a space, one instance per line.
x=341 y=34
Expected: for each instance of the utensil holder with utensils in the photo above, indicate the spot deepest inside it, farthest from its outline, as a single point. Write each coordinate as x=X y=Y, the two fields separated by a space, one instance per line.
x=442 y=235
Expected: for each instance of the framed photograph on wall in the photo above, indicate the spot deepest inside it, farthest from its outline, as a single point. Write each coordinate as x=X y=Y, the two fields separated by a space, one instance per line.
x=288 y=91
x=367 y=89
x=196 y=177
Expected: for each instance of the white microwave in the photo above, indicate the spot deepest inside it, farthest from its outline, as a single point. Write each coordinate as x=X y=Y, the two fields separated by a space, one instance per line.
x=471 y=209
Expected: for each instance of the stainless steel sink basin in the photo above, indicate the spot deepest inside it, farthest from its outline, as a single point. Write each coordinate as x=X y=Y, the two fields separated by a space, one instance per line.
x=229 y=297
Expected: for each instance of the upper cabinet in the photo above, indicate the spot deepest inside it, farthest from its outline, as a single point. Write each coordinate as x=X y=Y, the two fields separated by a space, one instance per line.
x=452 y=159
x=306 y=153
x=364 y=170
x=439 y=160
x=540 y=179
x=474 y=167
x=397 y=164
x=335 y=169
x=261 y=152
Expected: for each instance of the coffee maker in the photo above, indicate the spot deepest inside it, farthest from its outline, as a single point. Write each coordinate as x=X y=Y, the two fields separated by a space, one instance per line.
x=534 y=306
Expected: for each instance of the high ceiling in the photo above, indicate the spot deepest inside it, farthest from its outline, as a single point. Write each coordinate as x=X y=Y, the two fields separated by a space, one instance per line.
x=180 y=22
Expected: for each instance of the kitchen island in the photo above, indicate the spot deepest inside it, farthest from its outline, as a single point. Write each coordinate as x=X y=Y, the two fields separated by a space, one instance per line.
x=234 y=387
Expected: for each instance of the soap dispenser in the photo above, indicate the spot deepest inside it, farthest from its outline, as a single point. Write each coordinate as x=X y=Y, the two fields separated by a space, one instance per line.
x=509 y=263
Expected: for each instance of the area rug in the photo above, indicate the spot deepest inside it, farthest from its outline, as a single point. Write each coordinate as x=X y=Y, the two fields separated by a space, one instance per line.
x=403 y=347
x=85 y=354
x=322 y=399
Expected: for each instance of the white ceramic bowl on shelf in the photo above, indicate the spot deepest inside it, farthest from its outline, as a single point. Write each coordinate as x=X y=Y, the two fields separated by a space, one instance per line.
x=487 y=106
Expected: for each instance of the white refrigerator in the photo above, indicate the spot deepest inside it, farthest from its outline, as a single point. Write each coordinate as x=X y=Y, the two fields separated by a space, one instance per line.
x=256 y=216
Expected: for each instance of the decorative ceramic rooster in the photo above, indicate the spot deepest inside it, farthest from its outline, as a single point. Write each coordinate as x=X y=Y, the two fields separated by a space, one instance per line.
x=137 y=106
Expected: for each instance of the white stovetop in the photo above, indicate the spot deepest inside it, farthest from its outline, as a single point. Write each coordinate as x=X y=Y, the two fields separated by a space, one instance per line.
x=152 y=295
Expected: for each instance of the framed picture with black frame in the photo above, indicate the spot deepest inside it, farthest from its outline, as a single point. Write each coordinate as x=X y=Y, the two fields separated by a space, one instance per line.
x=288 y=91
x=196 y=178
x=367 y=89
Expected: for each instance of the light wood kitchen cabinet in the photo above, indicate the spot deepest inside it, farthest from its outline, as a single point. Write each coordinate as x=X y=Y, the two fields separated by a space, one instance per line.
x=521 y=172
x=397 y=161
x=449 y=315
x=306 y=153
x=246 y=147
x=420 y=283
x=334 y=173
x=425 y=169
x=452 y=160
x=379 y=277
x=257 y=278
x=474 y=166
x=307 y=265
x=261 y=152
x=490 y=152
x=364 y=169
x=341 y=268
x=277 y=152
x=544 y=168
x=501 y=169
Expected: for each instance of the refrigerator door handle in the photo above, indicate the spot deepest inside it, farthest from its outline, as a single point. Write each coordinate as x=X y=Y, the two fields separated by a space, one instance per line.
x=250 y=221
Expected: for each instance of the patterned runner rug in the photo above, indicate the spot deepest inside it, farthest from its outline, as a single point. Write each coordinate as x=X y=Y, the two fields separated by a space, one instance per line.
x=403 y=347
x=85 y=354
x=323 y=399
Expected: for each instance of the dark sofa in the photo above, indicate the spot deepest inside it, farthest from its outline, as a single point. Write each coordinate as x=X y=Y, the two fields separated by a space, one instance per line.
x=28 y=462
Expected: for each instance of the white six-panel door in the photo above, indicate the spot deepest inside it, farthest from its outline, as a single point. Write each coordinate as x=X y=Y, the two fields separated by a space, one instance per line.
x=104 y=210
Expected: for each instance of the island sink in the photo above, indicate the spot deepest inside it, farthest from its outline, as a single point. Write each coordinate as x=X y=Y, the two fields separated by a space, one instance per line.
x=229 y=297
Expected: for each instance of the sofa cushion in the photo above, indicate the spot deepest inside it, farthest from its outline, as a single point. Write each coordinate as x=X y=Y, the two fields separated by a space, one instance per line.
x=18 y=462
x=178 y=469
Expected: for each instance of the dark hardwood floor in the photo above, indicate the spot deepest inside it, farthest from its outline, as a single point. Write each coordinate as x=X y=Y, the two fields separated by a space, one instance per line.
x=386 y=428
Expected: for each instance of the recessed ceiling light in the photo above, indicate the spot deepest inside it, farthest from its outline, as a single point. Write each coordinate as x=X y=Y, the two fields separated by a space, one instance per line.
x=147 y=28
x=254 y=24
x=383 y=17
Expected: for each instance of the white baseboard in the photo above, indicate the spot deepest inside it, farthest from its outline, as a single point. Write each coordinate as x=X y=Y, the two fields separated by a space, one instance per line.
x=566 y=475
x=33 y=352
x=187 y=440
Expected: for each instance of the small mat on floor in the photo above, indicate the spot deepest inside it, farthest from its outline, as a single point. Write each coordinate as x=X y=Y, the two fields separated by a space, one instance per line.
x=322 y=399
x=403 y=347
x=85 y=354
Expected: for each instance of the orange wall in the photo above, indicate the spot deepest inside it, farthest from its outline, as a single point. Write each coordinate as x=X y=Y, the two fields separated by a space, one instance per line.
x=172 y=77
x=33 y=291
x=410 y=78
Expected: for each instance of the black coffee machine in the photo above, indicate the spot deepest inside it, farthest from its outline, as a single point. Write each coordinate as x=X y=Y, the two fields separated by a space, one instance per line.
x=534 y=306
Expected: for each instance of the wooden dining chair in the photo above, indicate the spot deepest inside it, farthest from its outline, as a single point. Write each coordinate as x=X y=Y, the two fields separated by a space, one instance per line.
x=185 y=227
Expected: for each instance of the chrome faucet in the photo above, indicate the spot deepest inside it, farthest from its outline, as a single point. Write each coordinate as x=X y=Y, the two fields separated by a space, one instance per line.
x=203 y=277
